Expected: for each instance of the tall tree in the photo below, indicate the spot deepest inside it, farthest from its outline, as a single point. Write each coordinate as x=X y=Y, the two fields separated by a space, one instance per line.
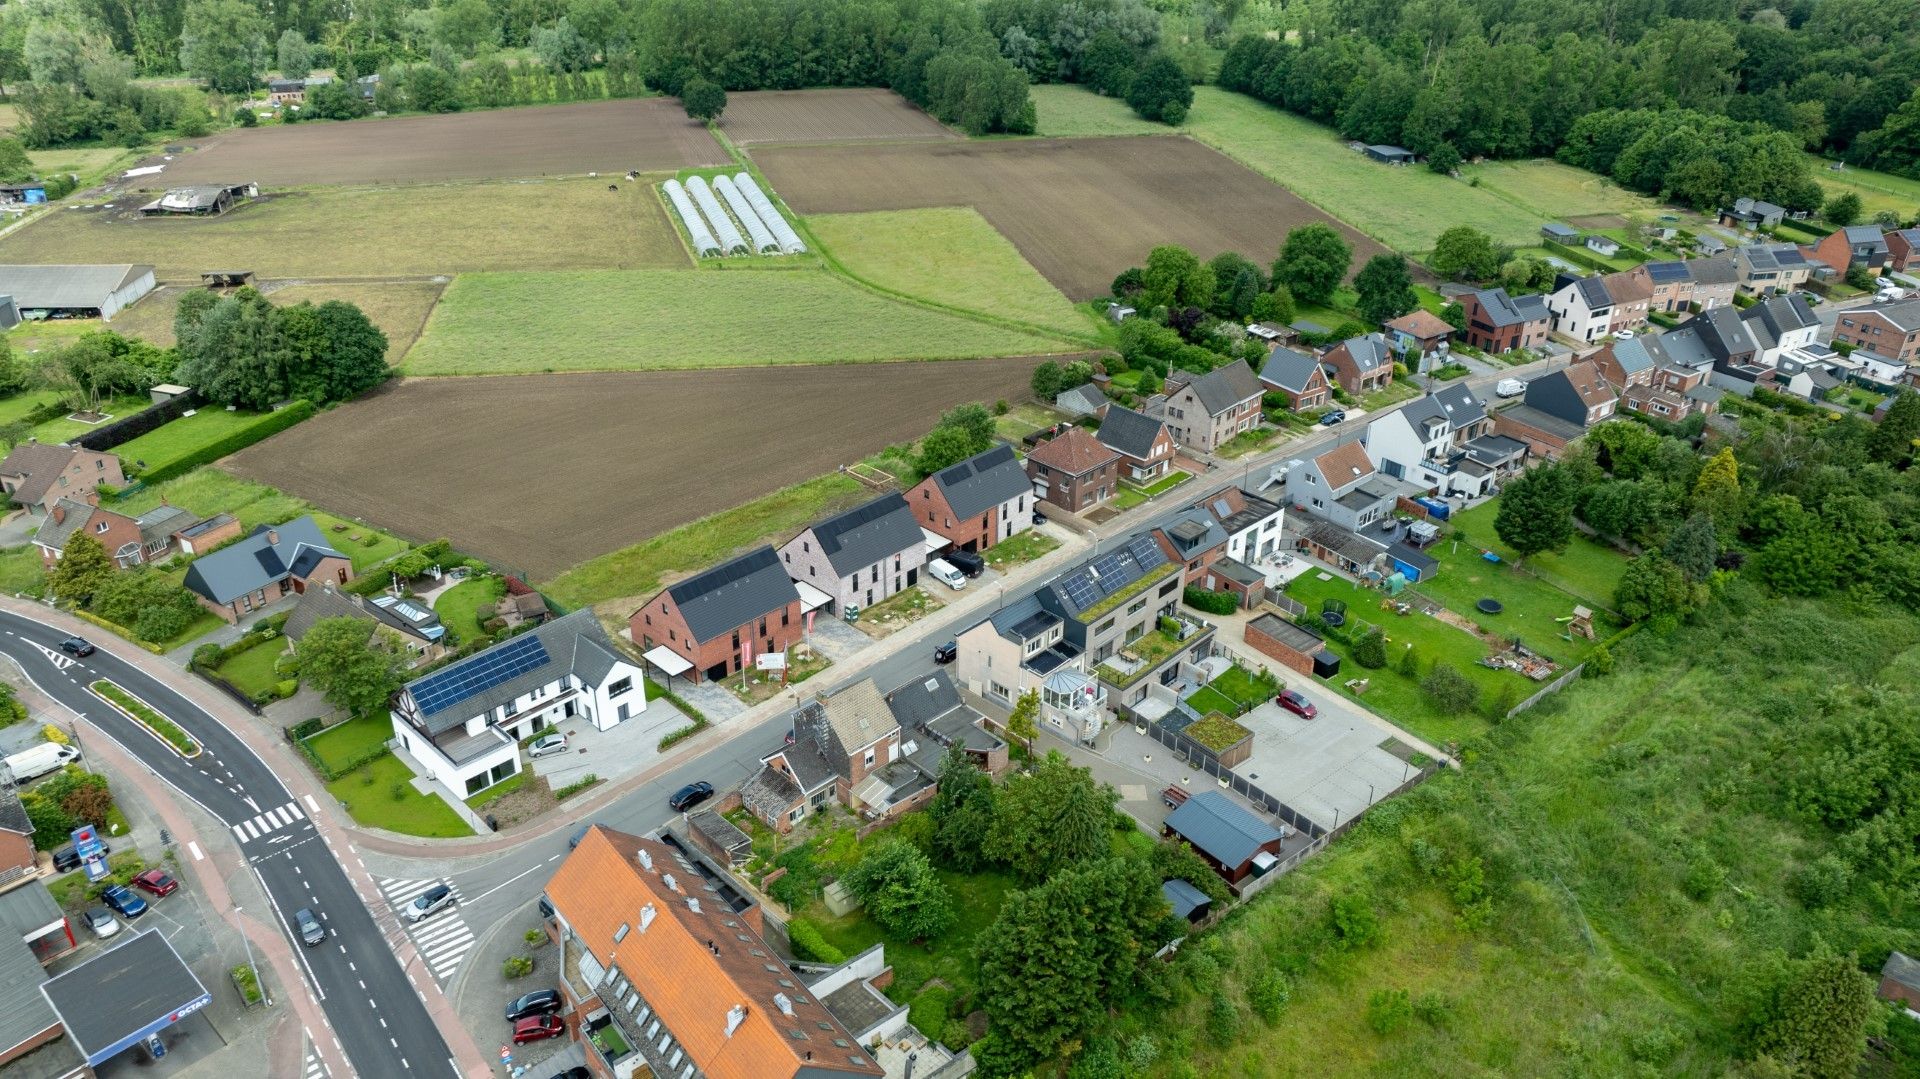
x=295 y=56
x=898 y=886
x=1819 y=1023
x=1312 y=262
x=1464 y=251
x=1893 y=441
x=83 y=568
x=343 y=659
x=1386 y=289
x=1842 y=210
x=1161 y=91
x=223 y=42
x=1717 y=493
x=703 y=100
x=1053 y=818
x=962 y=811
x=1693 y=547
x=1536 y=511
x=1175 y=278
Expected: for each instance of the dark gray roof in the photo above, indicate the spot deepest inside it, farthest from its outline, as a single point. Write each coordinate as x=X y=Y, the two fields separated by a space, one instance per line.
x=1224 y=387
x=983 y=481
x=27 y=909
x=1776 y=316
x=1679 y=348
x=1592 y=290
x=1218 y=827
x=23 y=1011
x=408 y=616
x=1544 y=421
x=1369 y=351
x=1773 y=256
x=1902 y=313
x=207 y=525
x=13 y=815
x=1714 y=271
x=867 y=534
x=1192 y=531
x=1082 y=400
x=494 y=676
x=1453 y=402
x=1723 y=332
x=1184 y=898
x=1866 y=236
x=1128 y=432
x=1023 y=619
x=55 y=534
x=162 y=522
x=34 y=287
x=119 y=991
x=809 y=762
x=257 y=561
x=1669 y=272
x=1634 y=354
x=733 y=593
x=1412 y=556
x=1086 y=585
x=1504 y=310
x=1289 y=369
x=924 y=700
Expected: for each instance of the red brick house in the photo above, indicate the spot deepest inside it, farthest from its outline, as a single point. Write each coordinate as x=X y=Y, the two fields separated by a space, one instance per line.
x=273 y=562
x=1903 y=250
x=37 y=475
x=1890 y=331
x=1297 y=375
x=1499 y=323
x=1074 y=471
x=1144 y=444
x=712 y=624
x=976 y=503
x=1360 y=364
x=130 y=541
x=1900 y=981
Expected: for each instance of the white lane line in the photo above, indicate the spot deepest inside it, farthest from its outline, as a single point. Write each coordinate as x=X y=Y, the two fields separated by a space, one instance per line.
x=506 y=882
x=313 y=805
x=194 y=849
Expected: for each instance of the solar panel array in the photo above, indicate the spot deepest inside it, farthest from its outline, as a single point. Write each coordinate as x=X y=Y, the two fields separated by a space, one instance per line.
x=1146 y=552
x=494 y=667
x=1080 y=591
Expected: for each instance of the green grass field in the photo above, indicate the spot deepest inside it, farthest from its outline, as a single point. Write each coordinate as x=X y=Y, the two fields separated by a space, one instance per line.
x=399 y=308
x=948 y=255
x=1877 y=190
x=369 y=793
x=1587 y=568
x=377 y=231
x=456 y=605
x=1404 y=208
x=185 y=436
x=345 y=742
x=207 y=491
x=253 y=670
x=60 y=428
x=520 y=323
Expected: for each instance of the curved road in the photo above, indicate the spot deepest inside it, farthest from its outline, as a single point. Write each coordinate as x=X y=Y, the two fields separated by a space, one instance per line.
x=375 y=1010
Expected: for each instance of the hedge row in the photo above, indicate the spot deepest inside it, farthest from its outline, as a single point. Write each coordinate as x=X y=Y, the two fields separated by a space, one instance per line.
x=307 y=728
x=116 y=628
x=128 y=428
x=810 y=946
x=1210 y=602
x=268 y=426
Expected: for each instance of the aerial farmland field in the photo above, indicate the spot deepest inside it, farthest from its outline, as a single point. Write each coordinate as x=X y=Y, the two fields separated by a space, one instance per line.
x=765 y=116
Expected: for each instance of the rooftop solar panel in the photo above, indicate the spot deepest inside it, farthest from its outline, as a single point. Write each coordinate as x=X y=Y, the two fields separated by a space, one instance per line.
x=1145 y=551
x=441 y=691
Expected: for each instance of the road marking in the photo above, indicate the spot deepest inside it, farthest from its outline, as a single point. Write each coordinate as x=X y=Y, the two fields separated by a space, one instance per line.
x=241 y=833
x=288 y=926
x=251 y=804
x=316 y=1068
x=508 y=881
x=442 y=940
x=194 y=849
x=61 y=661
x=312 y=805
x=265 y=824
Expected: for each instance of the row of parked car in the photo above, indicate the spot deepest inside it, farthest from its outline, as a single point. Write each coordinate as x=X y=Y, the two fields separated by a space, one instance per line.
x=126 y=902
x=536 y=1017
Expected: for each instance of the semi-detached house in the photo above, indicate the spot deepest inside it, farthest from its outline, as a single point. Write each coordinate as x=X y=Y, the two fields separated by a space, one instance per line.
x=1143 y=443
x=1074 y=470
x=1888 y=332
x=1204 y=411
x=859 y=557
x=712 y=624
x=1297 y=375
x=1444 y=442
x=977 y=503
x=462 y=724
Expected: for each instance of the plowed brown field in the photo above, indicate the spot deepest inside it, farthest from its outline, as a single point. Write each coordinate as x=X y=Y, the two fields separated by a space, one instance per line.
x=1080 y=210
x=538 y=472
x=764 y=116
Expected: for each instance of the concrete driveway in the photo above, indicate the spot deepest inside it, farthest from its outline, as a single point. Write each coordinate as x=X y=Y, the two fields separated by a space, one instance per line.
x=17 y=528
x=615 y=753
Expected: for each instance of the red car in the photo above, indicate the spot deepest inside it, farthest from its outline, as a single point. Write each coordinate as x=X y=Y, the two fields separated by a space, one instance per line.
x=1295 y=703
x=155 y=882
x=536 y=1028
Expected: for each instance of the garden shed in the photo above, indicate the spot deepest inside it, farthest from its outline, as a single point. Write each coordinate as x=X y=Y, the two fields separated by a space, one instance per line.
x=1295 y=647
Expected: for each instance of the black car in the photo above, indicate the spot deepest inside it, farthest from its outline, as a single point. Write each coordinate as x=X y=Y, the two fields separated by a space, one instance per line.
x=689 y=796
x=541 y=1002
x=946 y=653
x=966 y=562
x=1332 y=416
x=573 y=1073
x=76 y=646
x=66 y=858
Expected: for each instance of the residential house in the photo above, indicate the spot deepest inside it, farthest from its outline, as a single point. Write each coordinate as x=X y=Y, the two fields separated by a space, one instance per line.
x=1672 y=285
x=1074 y=471
x=1683 y=364
x=1023 y=648
x=1558 y=408
x=1864 y=246
x=1626 y=362
x=270 y=562
x=1900 y=981
x=665 y=973
x=1237 y=844
x=845 y=748
x=1253 y=524
x=36 y=475
x=1299 y=376
x=1888 y=332
x=1420 y=337
x=1752 y=214
x=1903 y=250
x=1800 y=375
x=1497 y=322
x=1582 y=308
x=286 y=91
x=1085 y=400
x=1769 y=268
x=1361 y=365
x=462 y=724
x=1779 y=325
x=1443 y=442
x=1110 y=602
x=18 y=864
x=931 y=707
x=977 y=503
x=1193 y=538
x=1341 y=485
x=131 y=541
x=712 y=624
x=1144 y=444
x=1715 y=280
x=197 y=539
x=861 y=556
x=1204 y=411
x=408 y=625
x=1632 y=292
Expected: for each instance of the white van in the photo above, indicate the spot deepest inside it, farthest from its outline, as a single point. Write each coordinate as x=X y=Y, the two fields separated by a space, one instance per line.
x=943 y=571
x=41 y=759
x=1510 y=387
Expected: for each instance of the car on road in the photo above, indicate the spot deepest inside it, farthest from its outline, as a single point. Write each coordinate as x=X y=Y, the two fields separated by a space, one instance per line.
x=546 y=746
x=312 y=933
x=102 y=922
x=437 y=898
x=580 y=833
x=1509 y=387
x=123 y=900
x=539 y=1002
x=1293 y=702
x=966 y=562
x=66 y=859
x=156 y=883
x=536 y=1028
x=1332 y=416
x=77 y=647
x=946 y=653
x=689 y=796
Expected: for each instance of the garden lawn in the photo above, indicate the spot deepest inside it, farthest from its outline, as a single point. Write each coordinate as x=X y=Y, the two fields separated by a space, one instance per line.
x=1239 y=684
x=1209 y=699
x=1395 y=391
x=60 y=428
x=644 y=320
x=184 y=437
x=456 y=606
x=1024 y=547
x=369 y=795
x=976 y=900
x=1588 y=568
x=364 y=546
x=1024 y=419
x=15 y=408
x=208 y=491
x=253 y=670
x=22 y=571
x=949 y=255
x=1253 y=441
x=1877 y=190
x=339 y=745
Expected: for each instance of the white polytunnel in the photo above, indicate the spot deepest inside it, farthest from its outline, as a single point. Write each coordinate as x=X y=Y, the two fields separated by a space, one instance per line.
x=763 y=241
x=789 y=240
x=723 y=227
x=704 y=244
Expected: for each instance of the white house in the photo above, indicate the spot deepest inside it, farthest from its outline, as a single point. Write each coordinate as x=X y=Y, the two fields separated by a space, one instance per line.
x=1442 y=441
x=1780 y=325
x=1582 y=308
x=463 y=723
x=1024 y=647
x=1253 y=524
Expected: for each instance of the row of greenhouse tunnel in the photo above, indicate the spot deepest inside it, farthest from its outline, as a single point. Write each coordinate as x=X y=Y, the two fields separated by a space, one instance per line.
x=712 y=228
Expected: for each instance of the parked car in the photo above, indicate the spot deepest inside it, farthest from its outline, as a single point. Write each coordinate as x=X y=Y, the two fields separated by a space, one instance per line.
x=123 y=900
x=946 y=653
x=66 y=859
x=155 y=882
x=312 y=933
x=1509 y=387
x=689 y=796
x=536 y=1028
x=579 y=834
x=967 y=562
x=1625 y=335
x=547 y=745
x=102 y=922
x=1332 y=416
x=947 y=574
x=539 y=1002
x=546 y=907
x=1295 y=703
x=76 y=647
x=437 y=898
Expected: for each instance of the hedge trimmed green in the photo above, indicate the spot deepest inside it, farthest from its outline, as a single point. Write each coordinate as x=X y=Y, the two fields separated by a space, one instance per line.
x=149 y=718
x=271 y=424
x=809 y=945
x=1211 y=602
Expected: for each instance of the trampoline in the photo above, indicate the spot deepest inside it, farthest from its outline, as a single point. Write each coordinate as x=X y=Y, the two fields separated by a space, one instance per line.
x=1490 y=606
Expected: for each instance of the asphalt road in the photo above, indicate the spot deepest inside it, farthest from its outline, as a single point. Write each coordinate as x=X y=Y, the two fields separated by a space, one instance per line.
x=375 y=1011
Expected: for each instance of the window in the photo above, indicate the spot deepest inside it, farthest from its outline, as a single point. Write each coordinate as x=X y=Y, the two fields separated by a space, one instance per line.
x=620 y=687
x=1104 y=626
x=806 y=546
x=1168 y=588
x=649 y=618
x=794 y=814
x=869 y=760
x=783 y=616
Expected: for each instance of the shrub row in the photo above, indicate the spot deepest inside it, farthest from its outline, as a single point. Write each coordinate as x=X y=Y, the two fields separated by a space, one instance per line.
x=575 y=787
x=115 y=627
x=128 y=428
x=681 y=734
x=209 y=656
x=810 y=946
x=1210 y=602
x=147 y=717
x=268 y=425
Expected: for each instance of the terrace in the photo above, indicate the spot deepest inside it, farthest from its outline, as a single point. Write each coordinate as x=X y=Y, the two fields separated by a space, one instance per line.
x=1144 y=654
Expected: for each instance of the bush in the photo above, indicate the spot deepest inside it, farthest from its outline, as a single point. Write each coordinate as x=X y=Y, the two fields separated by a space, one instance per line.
x=1355 y=924
x=535 y=937
x=1211 y=602
x=1822 y=882
x=1388 y=1010
x=518 y=966
x=575 y=787
x=1268 y=995
x=207 y=656
x=809 y=945
x=247 y=982
x=1371 y=649
x=1449 y=690
x=1223 y=1019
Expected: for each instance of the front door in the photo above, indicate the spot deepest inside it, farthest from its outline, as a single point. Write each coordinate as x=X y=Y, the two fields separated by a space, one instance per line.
x=572 y=709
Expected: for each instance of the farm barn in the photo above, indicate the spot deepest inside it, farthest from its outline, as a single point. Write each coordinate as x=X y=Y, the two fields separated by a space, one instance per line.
x=199 y=200
x=74 y=291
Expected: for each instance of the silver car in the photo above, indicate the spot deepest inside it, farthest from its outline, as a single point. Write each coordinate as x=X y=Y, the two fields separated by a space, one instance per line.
x=547 y=746
x=102 y=922
x=435 y=898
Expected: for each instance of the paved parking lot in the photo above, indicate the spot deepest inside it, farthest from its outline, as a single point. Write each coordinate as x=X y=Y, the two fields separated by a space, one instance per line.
x=1330 y=768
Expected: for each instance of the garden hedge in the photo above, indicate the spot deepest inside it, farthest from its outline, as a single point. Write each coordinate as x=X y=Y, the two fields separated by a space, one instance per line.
x=268 y=426
x=1211 y=602
x=810 y=946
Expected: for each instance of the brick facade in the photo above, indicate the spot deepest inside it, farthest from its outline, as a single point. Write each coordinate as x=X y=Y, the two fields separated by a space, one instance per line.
x=660 y=623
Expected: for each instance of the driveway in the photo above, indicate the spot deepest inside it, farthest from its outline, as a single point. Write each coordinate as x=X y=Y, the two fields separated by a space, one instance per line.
x=1330 y=768
x=833 y=638
x=613 y=754
x=18 y=527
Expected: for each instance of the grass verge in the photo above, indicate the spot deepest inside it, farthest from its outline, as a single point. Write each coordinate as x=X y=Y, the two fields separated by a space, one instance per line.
x=380 y=794
x=144 y=714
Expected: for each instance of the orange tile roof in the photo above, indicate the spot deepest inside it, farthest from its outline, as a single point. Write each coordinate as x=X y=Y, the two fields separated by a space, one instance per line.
x=693 y=968
x=1422 y=323
x=1074 y=453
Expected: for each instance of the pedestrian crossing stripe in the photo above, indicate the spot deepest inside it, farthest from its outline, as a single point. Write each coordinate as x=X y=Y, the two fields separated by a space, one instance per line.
x=268 y=822
x=443 y=940
x=316 y=1068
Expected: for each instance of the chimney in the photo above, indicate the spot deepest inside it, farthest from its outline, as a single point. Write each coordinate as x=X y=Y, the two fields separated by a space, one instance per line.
x=736 y=1015
x=59 y=513
x=273 y=537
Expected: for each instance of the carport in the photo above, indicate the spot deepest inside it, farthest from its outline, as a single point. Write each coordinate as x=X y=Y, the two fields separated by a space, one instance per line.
x=811 y=598
x=667 y=661
x=117 y=999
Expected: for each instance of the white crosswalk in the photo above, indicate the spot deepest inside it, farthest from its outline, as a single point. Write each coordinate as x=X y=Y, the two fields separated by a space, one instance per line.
x=315 y=1067
x=443 y=939
x=286 y=816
